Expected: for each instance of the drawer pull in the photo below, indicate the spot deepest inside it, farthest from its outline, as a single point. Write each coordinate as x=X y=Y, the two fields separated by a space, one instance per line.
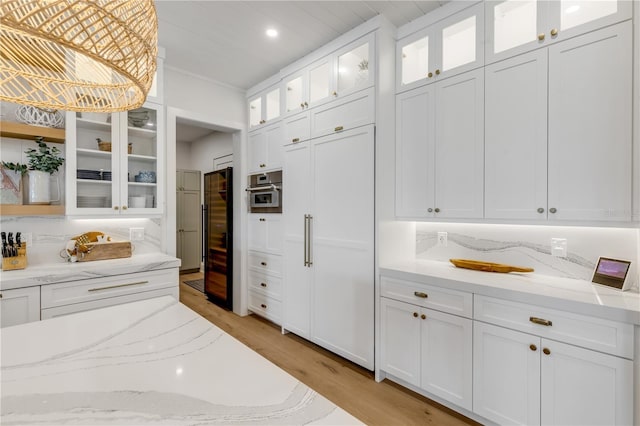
x=337 y=129
x=263 y=284
x=540 y=321
x=263 y=306
x=117 y=286
x=420 y=294
x=295 y=140
x=263 y=263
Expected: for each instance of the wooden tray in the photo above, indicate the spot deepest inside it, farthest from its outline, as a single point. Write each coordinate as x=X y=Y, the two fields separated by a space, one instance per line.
x=102 y=251
x=487 y=266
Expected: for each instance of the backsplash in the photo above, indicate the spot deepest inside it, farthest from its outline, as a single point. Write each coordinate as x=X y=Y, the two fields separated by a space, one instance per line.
x=51 y=233
x=528 y=246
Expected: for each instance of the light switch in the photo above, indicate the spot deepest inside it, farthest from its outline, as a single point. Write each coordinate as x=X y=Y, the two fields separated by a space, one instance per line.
x=559 y=247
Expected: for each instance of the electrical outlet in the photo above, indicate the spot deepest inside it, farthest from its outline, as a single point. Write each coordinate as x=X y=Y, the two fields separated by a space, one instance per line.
x=442 y=239
x=136 y=234
x=559 y=247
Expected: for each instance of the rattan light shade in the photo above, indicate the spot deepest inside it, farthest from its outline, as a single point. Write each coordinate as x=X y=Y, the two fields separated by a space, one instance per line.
x=77 y=55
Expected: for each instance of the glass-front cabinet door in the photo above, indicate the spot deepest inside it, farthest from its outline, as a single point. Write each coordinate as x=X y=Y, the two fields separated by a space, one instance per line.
x=320 y=81
x=294 y=96
x=115 y=162
x=272 y=105
x=414 y=58
x=255 y=112
x=517 y=26
x=264 y=107
x=354 y=67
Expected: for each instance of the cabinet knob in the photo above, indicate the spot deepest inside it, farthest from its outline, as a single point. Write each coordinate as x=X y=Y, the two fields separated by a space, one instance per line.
x=423 y=316
x=546 y=351
x=335 y=93
x=263 y=284
x=263 y=165
x=420 y=294
x=301 y=105
x=552 y=210
x=306 y=105
x=540 y=210
x=437 y=210
x=430 y=74
x=554 y=32
x=429 y=209
x=437 y=72
x=541 y=36
x=533 y=347
x=262 y=219
x=415 y=315
x=263 y=263
x=0 y=295
x=116 y=207
x=263 y=306
x=124 y=207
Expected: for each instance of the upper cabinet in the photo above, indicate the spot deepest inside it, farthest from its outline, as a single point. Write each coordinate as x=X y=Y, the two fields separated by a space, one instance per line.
x=517 y=26
x=123 y=173
x=347 y=70
x=265 y=107
x=446 y=48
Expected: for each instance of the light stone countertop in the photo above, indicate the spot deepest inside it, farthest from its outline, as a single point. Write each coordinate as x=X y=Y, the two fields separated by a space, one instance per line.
x=148 y=362
x=49 y=273
x=570 y=295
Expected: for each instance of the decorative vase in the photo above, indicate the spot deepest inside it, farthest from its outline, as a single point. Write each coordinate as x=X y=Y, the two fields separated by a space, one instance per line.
x=39 y=187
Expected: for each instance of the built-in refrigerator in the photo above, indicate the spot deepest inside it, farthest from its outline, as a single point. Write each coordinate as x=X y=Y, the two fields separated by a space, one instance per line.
x=218 y=237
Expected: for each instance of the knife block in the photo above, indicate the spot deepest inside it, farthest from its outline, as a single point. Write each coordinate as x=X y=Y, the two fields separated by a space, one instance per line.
x=16 y=262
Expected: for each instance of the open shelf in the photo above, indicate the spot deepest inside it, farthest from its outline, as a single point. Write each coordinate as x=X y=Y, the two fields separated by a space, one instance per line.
x=30 y=210
x=10 y=129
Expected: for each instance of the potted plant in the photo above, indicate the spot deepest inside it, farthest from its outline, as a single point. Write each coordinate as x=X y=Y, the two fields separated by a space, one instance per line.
x=43 y=162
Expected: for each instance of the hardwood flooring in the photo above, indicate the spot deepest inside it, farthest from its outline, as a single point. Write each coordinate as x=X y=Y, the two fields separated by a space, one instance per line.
x=347 y=385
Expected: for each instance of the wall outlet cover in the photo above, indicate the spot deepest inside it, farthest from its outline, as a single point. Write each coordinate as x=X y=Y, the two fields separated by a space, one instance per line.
x=559 y=247
x=442 y=239
x=136 y=234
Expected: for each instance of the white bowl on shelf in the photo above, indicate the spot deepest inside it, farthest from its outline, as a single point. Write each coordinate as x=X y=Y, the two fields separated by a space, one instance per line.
x=137 y=202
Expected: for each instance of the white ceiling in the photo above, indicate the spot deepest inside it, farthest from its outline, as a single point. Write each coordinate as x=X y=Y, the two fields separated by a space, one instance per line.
x=226 y=41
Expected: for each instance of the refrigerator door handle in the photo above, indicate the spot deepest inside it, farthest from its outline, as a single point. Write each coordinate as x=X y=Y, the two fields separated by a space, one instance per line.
x=306 y=228
x=205 y=228
x=309 y=259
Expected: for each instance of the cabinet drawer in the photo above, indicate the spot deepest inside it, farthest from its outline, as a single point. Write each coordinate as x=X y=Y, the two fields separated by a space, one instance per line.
x=266 y=284
x=267 y=263
x=68 y=293
x=19 y=306
x=594 y=333
x=440 y=299
x=353 y=111
x=296 y=128
x=265 y=306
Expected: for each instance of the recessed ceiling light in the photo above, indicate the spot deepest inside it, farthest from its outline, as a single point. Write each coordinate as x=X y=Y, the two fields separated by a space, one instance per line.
x=271 y=32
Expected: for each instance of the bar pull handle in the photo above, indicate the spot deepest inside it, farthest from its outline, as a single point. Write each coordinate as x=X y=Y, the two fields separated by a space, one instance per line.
x=295 y=140
x=420 y=294
x=540 y=321
x=337 y=129
x=117 y=286
x=309 y=259
x=306 y=224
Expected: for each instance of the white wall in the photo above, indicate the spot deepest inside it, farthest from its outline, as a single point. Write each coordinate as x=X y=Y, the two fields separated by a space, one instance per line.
x=204 y=150
x=183 y=155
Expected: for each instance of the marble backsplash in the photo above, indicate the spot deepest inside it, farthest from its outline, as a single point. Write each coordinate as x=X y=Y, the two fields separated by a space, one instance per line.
x=528 y=246
x=49 y=234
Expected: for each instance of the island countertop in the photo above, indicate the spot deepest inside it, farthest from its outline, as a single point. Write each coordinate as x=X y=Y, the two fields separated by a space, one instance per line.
x=148 y=362
x=50 y=273
x=567 y=294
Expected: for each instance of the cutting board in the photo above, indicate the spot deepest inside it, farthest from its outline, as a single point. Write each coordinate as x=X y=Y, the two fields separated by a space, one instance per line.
x=102 y=251
x=487 y=266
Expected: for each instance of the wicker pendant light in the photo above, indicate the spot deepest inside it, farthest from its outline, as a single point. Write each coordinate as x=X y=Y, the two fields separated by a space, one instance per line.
x=77 y=55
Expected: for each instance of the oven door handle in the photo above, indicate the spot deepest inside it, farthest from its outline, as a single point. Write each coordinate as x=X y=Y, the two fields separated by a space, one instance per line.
x=263 y=188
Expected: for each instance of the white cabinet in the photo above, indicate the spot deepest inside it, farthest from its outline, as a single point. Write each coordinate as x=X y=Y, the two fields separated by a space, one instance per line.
x=524 y=379
x=516 y=26
x=347 y=70
x=346 y=113
x=78 y=296
x=188 y=219
x=440 y=149
x=122 y=175
x=19 y=306
x=265 y=148
x=265 y=233
x=428 y=349
x=265 y=107
x=451 y=46
x=545 y=156
x=328 y=242
x=265 y=285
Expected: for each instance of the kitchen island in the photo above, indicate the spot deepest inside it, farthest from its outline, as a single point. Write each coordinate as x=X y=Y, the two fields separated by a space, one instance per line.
x=148 y=362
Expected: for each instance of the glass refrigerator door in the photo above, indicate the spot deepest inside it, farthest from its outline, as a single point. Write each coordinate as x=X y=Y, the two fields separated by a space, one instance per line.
x=216 y=258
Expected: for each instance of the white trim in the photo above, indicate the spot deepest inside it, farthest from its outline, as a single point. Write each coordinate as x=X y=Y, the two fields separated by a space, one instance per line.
x=434 y=16
x=268 y=83
x=202 y=77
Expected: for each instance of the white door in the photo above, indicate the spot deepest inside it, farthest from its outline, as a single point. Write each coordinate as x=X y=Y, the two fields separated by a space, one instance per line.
x=516 y=138
x=400 y=340
x=19 y=306
x=297 y=275
x=584 y=387
x=415 y=145
x=506 y=375
x=257 y=150
x=590 y=118
x=274 y=143
x=459 y=152
x=342 y=231
x=265 y=232
x=447 y=356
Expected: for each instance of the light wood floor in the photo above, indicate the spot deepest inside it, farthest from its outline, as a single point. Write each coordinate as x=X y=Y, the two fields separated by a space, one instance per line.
x=344 y=383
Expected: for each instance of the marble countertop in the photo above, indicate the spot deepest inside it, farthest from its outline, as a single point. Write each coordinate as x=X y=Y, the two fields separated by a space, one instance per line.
x=49 y=273
x=148 y=362
x=567 y=294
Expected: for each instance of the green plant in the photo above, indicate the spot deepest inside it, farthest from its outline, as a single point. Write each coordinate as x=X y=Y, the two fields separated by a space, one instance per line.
x=44 y=159
x=363 y=65
x=22 y=168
